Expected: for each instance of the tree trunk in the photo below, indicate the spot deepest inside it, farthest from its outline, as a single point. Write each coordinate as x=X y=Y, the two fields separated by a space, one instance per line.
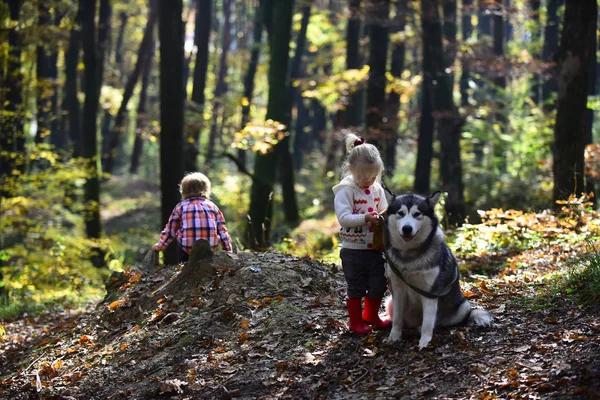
x=549 y=53
x=300 y=138
x=171 y=39
x=571 y=120
x=393 y=100
x=447 y=120
x=141 y=117
x=484 y=20
x=534 y=5
x=71 y=106
x=119 y=45
x=93 y=56
x=201 y=40
x=377 y=17
x=251 y=72
x=353 y=114
x=12 y=135
x=221 y=86
x=450 y=29
x=467 y=31
x=144 y=53
x=592 y=90
x=47 y=76
x=261 y=207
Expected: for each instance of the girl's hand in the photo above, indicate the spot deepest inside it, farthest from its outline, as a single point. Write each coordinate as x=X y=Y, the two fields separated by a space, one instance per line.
x=373 y=218
x=155 y=247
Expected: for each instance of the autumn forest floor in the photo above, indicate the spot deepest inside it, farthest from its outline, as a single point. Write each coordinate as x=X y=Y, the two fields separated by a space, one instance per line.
x=271 y=325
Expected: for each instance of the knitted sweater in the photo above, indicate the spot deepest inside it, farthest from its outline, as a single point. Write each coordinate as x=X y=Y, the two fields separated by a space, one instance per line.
x=352 y=202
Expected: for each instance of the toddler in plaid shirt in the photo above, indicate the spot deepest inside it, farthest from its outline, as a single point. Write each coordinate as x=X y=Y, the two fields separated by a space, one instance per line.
x=194 y=218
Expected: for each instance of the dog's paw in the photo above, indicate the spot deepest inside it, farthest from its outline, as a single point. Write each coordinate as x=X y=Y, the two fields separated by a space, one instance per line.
x=481 y=317
x=424 y=341
x=393 y=337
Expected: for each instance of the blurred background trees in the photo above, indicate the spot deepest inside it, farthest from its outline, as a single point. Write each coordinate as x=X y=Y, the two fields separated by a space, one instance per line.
x=104 y=105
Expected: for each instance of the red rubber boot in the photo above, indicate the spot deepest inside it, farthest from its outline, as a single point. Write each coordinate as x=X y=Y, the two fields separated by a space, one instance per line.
x=371 y=314
x=356 y=323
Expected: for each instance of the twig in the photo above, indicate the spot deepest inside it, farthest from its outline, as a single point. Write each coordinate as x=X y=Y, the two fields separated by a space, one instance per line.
x=34 y=361
x=360 y=378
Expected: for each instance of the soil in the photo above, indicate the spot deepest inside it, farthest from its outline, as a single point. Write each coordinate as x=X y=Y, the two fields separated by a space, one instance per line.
x=273 y=326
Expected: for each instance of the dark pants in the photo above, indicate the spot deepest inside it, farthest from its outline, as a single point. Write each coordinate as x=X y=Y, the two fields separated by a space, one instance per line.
x=183 y=256
x=364 y=271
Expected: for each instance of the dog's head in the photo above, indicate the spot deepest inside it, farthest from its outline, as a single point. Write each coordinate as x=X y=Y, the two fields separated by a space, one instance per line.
x=411 y=219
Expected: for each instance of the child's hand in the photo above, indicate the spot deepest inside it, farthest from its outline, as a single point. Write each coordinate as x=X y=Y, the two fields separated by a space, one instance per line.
x=155 y=247
x=373 y=218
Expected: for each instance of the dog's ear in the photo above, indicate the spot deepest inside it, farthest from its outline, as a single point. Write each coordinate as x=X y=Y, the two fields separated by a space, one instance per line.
x=433 y=199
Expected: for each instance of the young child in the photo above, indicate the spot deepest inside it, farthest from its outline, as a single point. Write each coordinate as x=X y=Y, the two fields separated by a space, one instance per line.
x=194 y=218
x=359 y=199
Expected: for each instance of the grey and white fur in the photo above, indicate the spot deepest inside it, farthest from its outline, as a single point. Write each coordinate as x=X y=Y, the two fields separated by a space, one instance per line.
x=428 y=292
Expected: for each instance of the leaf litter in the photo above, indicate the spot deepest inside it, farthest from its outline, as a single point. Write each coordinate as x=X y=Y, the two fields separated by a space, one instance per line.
x=273 y=326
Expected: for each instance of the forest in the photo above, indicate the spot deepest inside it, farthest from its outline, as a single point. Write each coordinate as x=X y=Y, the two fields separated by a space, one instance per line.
x=106 y=105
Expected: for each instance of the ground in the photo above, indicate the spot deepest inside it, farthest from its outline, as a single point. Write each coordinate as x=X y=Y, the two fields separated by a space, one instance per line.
x=269 y=326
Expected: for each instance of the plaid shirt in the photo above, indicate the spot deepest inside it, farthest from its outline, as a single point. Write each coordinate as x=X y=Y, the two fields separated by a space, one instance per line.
x=194 y=219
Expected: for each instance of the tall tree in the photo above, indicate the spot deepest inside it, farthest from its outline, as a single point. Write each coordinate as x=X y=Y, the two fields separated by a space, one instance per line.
x=444 y=112
x=93 y=57
x=171 y=38
x=467 y=32
x=549 y=52
x=354 y=115
x=393 y=99
x=378 y=19
x=261 y=206
x=221 y=85
x=300 y=138
x=71 y=107
x=251 y=71
x=534 y=6
x=144 y=53
x=12 y=135
x=141 y=117
x=47 y=76
x=201 y=40
x=571 y=127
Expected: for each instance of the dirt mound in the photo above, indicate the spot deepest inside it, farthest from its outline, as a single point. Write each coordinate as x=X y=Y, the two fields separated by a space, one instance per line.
x=269 y=325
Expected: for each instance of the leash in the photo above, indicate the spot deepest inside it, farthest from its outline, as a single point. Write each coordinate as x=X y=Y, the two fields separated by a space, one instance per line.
x=396 y=271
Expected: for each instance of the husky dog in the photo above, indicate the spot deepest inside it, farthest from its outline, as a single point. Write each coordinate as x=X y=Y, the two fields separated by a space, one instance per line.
x=423 y=272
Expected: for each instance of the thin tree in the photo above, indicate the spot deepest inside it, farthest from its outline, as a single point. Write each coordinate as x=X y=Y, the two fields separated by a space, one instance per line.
x=378 y=19
x=251 y=72
x=144 y=53
x=47 y=76
x=93 y=57
x=201 y=40
x=296 y=71
x=172 y=101
x=12 y=135
x=141 y=115
x=71 y=107
x=221 y=85
x=467 y=32
x=393 y=100
x=549 y=52
x=571 y=128
x=261 y=206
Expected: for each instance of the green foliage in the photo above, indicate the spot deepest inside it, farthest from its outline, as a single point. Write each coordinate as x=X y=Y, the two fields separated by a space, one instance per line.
x=583 y=279
x=45 y=257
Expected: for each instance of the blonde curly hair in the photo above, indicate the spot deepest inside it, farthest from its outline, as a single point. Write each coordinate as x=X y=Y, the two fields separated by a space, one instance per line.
x=194 y=184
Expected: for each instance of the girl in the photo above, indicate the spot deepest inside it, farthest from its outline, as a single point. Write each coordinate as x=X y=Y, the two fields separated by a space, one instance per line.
x=359 y=199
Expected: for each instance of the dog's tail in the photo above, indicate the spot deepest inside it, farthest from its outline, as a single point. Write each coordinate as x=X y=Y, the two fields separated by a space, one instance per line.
x=480 y=317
